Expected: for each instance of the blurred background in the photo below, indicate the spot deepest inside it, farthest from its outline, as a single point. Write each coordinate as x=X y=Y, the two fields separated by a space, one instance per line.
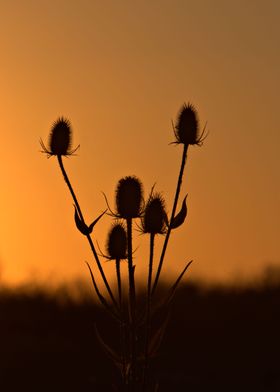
x=216 y=339
x=121 y=72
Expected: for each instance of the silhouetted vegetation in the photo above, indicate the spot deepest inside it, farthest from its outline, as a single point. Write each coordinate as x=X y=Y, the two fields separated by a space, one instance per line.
x=212 y=339
x=217 y=339
x=141 y=324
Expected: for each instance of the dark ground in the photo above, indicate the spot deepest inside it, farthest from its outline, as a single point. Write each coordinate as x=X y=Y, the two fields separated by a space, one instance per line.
x=217 y=340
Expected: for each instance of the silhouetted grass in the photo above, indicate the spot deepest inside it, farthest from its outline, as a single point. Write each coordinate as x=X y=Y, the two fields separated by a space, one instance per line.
x=220 y=339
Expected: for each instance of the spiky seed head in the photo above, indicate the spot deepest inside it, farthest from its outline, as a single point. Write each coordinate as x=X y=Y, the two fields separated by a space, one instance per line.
x=117 y=242
x=129 y=197
x=154 y=217
x=60 y=137
x=187 y=126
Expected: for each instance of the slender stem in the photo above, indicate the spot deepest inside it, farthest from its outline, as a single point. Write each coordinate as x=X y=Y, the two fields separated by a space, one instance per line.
x=122 y=327
x=148 y=311
x=118 y=272
x=59 y=158
x=131 y=300
x=130 y=263
x=152 y=241
x=184 y=158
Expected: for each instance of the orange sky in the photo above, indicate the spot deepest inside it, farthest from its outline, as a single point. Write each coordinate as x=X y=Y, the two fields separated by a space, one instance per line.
x=120 y=71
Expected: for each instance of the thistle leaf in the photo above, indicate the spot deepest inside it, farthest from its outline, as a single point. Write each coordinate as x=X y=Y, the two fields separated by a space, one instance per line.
x=100 y=296
x=157 y=337
x=173 y=288
x=91 y=226
x=111 y=353
x=178 y=220
x=80 y=224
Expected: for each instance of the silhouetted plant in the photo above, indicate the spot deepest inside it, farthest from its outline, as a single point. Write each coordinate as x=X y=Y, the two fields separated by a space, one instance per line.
x=140 y=336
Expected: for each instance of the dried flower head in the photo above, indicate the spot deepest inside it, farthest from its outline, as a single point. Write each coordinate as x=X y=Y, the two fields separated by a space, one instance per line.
x=60 y=139
x=154 y=218
x=186 y=129
x=117 y=242
x=129 y=197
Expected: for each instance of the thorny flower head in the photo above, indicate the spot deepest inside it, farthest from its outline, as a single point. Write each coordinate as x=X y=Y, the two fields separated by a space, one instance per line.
x=154 y=218
x=117 y=243
x=129 y=197
x=186 y=129
x=60 y=139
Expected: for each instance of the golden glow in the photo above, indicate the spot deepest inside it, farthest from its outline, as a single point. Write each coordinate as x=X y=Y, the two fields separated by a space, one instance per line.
x=120 y=72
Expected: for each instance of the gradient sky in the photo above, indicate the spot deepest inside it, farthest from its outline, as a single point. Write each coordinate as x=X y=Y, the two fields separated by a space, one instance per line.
x=120 y=71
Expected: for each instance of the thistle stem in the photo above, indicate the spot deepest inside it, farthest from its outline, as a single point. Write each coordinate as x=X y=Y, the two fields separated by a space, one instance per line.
x=118 y=272
x=131 y=299
x=152 y=242
x=65 y=176
x=148 y=311
x=130 y=262
x=183 y=163
x=122 y=330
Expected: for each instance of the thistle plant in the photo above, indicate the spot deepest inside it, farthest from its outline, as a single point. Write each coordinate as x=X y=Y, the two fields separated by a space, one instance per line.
x=140 y=337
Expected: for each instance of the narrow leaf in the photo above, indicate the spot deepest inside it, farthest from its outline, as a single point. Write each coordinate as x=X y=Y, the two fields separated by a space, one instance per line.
x=81 y=226
x=173 y=288
x=178 y=220
x=91 y=226
x=100 y=296
x=108 y=350
x=156 y=340
x=127 y=370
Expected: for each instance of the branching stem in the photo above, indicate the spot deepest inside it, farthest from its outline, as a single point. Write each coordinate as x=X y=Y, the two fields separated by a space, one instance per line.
x=65 y=176
x=184 y=158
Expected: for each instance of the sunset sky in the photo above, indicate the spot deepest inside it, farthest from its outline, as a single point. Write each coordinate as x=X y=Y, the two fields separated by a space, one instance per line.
x=120 y=71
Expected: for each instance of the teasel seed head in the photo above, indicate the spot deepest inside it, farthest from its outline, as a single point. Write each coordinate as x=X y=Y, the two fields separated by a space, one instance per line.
x=186 y=129
x=154 y=218
x=60 y=139
x=117 y=242
x=129 y=198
